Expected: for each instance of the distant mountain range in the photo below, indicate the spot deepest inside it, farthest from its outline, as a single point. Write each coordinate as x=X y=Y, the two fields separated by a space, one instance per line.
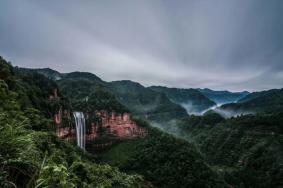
x=269 y=101
x=159 y=103
x=141 y=101
x=223 y=97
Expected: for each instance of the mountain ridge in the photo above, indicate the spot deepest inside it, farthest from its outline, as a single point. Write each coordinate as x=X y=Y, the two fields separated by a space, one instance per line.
x=223 y=97
x=258 y=102
x=191 y=99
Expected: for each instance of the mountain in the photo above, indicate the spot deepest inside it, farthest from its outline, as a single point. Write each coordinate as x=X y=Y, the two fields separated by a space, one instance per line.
x=223 y=97
x=55 y=75
x=141 y=101
x=191 y=99
x=145 y=101
x=254 y=95
x=257 y=102
x=82 y=76
x=49 y=73
x=78 y=85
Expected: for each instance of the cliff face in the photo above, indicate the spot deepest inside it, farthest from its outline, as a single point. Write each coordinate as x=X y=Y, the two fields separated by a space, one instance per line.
x=98 y=124
x=119 y=126
x=58 y=116
x=116 y=125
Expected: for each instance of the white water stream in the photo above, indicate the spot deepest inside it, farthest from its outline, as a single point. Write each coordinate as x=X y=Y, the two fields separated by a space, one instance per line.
x=80 y=129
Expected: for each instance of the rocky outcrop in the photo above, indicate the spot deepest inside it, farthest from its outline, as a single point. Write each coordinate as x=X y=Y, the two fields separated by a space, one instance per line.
x=114 y=125
x=99 y=124
x=58 y=115
x=67 y=133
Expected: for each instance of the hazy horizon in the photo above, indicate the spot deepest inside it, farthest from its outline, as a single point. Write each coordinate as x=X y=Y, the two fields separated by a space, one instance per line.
x=222 y=45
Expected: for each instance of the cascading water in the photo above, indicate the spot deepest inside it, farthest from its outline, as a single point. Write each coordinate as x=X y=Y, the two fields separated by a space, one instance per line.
x=80 y=129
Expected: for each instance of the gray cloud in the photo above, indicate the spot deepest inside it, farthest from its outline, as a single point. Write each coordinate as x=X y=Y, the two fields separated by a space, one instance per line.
x=221 y=44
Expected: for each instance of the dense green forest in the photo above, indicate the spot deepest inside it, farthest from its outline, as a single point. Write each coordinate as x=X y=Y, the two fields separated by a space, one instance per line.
x=258 y=102
x=246 y=150
x=164 y=160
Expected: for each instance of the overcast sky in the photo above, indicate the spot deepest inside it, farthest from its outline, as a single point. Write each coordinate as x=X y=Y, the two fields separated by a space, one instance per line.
x=220 y=44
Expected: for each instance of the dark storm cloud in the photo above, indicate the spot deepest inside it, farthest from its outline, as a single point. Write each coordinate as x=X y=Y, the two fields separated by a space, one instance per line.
x=221 y=44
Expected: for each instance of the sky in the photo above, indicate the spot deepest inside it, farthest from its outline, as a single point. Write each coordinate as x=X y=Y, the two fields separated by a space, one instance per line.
x=219 y=44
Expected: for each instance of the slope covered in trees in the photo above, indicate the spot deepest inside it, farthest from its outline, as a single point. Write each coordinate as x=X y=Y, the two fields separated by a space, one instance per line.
x=145 y=102
x=164 y=160
x=246 y=150
x=141 y=101
x=191 y=99
x=259 y=102
x=31 y=155
x=223 y=97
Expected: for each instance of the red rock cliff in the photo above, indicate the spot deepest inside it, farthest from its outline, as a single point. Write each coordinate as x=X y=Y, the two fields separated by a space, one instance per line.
x=119 y=126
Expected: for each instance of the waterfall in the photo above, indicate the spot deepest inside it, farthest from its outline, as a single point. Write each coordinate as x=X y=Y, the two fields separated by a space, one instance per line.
x=80 y=129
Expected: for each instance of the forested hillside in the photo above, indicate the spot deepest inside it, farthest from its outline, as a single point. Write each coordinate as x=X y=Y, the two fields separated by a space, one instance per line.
x=191 y=99
x=145 y=102
x=164 y=160
x=31 y=155
x=223 y=97
x=247 y=150
x=259 y=102
x=141 y=101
